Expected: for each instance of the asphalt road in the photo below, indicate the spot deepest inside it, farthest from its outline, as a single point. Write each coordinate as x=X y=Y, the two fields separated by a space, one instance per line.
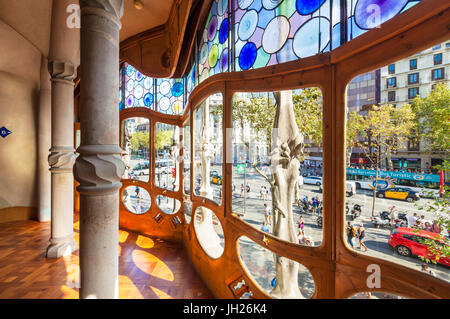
x=376 y=239
x=256 y=258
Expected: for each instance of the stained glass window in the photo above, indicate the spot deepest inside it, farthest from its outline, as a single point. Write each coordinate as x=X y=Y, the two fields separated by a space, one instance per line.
x=170 y=96
x=164 y=95
x=189 y=81
x=364 y=15
x=249 y=34
x=269 y=32
x=213 y=57
x=138 y=88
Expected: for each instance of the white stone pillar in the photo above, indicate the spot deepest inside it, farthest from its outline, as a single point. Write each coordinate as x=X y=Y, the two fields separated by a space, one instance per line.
x=99 y=166
x=44 y=144
x=63 y=61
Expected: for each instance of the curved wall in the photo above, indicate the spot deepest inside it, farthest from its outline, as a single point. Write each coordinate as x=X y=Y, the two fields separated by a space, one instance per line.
x=19 y=103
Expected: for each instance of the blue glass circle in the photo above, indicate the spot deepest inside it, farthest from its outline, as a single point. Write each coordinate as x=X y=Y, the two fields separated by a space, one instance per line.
x=130 y=70
x=307 y=41
x=247 y=25
x=223 y=31
x=148 y=99
x=371 y=13
x=305 y=7
x=271 y=4
x=177 y=89
x=247 y=57
x=244 y=4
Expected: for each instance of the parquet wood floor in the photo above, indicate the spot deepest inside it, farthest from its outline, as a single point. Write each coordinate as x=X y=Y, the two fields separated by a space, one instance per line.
x=148 y=268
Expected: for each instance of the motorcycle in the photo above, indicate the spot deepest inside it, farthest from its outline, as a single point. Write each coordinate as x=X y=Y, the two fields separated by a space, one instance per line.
x=306 y=205
x=320 y=221
x=355 y=212
x=383 y=220
x=401 y=220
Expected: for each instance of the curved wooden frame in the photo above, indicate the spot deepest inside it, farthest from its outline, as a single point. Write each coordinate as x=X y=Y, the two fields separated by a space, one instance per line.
x=338 y=272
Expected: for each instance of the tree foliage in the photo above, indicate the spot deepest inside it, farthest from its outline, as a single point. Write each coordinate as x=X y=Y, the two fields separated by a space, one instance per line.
x=440 y=209
x=163 y=139
x=387 y=129
x=433 y=118
x=139 y=140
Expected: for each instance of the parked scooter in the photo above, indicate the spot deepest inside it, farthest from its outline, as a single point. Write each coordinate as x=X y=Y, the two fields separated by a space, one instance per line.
x=320 y=221
x=383 y=220
x=354 y=213
x=401 y=220
x=306 y=205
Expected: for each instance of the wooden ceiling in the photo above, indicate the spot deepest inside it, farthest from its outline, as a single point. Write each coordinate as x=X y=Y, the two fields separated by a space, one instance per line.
x=152 y=38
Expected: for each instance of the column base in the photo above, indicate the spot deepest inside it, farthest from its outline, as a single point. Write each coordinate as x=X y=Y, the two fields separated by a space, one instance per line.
x=61 y=248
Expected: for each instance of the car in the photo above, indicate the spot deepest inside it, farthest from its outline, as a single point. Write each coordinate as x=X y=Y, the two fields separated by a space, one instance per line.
x=312 y=180
x=401 y=193
x=409 y=242
x=141 y=169
x=216 y=178
x=350 y=188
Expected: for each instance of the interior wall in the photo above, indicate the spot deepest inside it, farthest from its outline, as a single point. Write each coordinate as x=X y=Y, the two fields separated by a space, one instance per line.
x=19 y=102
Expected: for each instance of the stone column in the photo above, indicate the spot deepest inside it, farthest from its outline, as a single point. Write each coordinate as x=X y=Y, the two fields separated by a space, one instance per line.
x=63 y=61
x=44 y=144
x=99 y=166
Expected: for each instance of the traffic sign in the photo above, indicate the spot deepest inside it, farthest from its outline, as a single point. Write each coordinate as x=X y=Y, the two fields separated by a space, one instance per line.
x=240 y=168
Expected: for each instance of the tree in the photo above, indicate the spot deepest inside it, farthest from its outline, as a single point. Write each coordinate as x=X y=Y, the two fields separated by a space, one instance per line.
x=387 y=129
x=309 y=113
x=355 y=132
x=163 y=139
x=392 y=125
x=433 y=118
x=140 y=140
x=440 y=209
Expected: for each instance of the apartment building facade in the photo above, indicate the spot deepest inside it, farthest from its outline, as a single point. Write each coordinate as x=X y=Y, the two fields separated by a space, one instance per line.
x=402 y=81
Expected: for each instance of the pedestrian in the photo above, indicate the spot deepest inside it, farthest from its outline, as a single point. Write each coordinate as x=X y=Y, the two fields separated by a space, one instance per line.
x=137 y=208
x=349 y=232
x=242 y=190
x=267 y=214
x=301 y=225
x=247 y=188
x=265 y=227
x=136 y=191
x=315 y=204
x=392 y=211
x=412 y=220
x=266 y=192
x=261 y=192
x=435 y=227
x=361 y=235
x=428 y=270
x=422 y=221
x=427 y=226
x=233 y=188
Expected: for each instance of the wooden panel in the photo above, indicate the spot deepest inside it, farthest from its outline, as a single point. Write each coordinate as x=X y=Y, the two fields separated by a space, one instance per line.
x=17 y=213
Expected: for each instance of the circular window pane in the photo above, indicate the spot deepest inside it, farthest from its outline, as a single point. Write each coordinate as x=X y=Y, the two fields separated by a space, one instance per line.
x=260 y=265
x=136 y=200
x=209 y=232
x=167 y=205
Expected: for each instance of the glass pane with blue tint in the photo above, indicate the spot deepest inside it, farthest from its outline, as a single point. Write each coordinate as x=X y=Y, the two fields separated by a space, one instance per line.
x=170 y=96
x=138 y=88
x=271 y=32
x=364 y=15
x=213 y=46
